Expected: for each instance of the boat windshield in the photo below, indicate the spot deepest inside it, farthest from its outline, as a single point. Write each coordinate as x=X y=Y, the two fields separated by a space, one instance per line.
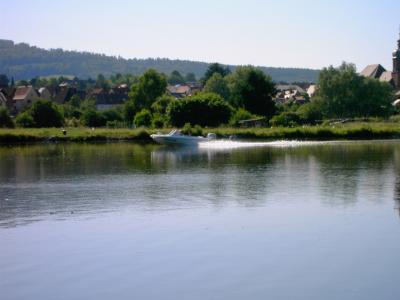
x=175 y=132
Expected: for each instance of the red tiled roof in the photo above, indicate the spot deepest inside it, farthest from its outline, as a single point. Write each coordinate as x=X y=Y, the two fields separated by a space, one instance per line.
x=179 y=89
x=21 y=92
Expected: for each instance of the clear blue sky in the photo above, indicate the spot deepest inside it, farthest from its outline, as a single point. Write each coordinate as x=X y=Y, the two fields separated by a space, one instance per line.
x=280 y=33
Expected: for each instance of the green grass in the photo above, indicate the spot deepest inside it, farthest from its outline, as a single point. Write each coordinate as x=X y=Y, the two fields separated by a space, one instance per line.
x=379 y=130
x=28 y=135
x=360 y=130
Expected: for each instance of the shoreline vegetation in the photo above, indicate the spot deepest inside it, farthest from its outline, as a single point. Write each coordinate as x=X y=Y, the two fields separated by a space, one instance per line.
x=347 y=131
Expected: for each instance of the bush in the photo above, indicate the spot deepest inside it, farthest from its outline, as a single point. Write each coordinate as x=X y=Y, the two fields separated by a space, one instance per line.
x=285 y=119
x=204 y=109
x=240 y=115
x=158 y=121
x=5 y=119
x=71 y=111
x=143 y=118
x=160 y=106
x=25 y=120
x=46 y=114
x=189 y=130
x=73 y=122
x=92 y=118
x=310 y=113
x=112 y=115
x=395 y=118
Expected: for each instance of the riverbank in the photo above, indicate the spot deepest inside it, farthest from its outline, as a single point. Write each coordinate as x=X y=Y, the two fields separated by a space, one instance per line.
x=350 y=131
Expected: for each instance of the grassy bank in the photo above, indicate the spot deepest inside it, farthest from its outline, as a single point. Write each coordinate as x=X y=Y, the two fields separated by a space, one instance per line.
x=29 y=135
x=350 y=131
x=376 y=130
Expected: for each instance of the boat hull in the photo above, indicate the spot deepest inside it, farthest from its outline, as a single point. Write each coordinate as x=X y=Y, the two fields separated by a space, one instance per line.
x=178 y=140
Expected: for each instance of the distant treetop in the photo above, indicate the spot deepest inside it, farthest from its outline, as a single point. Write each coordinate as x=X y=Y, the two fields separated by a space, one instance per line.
x=23 y=61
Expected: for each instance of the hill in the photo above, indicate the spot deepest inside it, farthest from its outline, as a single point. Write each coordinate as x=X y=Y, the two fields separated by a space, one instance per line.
x=23 y=61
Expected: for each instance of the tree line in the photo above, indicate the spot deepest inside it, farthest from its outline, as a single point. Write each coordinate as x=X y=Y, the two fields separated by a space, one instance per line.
x=23 y=62
x=227 y=98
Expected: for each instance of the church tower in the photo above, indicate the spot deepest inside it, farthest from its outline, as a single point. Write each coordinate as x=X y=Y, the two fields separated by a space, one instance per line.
x=396 y=66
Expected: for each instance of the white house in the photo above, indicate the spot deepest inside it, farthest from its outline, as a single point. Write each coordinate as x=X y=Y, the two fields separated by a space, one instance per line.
x=24 y=97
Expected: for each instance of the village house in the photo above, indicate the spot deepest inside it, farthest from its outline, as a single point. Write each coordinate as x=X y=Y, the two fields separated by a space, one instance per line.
x=179 y=91
x=290 y=94
x=3 y=100
x=45 y=93
x=6 y=96
x=377 y=71
x=24 y=97
x=63 y=93
x=311 y=90
x=184 y=90
x=107 y=99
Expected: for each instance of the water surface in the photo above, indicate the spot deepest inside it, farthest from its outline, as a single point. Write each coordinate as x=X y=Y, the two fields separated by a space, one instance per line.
x=226 y=221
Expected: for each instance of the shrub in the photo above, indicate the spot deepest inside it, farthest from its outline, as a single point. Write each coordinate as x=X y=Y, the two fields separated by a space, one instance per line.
x=188 y=129
x=160 y=106
x=143 y=118
x=204 y=109
x=395 y=118
x=239 y=115
x=46 y=114
x=5 y=119
x=112 y=115
x=92 y=118
x=158 y=121
x=70 y=111
x=25 y=120
x=285 y=119
x=73 y=122
x=310 y=113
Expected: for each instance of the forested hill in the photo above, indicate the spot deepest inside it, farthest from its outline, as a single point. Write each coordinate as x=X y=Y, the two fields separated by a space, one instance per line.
x=23 y=61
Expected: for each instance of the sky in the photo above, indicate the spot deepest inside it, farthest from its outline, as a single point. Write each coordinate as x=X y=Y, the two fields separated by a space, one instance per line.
x=276 y=33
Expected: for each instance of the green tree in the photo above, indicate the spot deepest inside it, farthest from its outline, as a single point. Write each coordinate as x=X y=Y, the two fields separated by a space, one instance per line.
x=4 y=81
x=88 y=104
x=158 y=120
x=25 y=120
x=240 y=115
x=215 y=68
x=204 y=109
x=285 y=119
x=129 y=111
x=311 y=112
x=190 y=77
x=217 y=85
x=70 y=111
x=143 y=118
x=145 y=92
x=5 y=119
x=112 y=114
x=102 y=82
x=23 y=82
x=175 y=78
x=252 y=90
x=343 y=93
x=75 y=101
x=160 y=106
x=46 y=114
x=92 y=118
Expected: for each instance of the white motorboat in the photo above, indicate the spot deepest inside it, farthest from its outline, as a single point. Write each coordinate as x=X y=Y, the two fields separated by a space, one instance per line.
x=175 y=137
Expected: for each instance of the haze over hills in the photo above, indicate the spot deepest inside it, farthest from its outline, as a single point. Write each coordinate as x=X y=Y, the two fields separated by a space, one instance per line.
x=23 y=61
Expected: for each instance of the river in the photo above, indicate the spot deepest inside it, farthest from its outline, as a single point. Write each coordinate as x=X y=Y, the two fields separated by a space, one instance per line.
x=230 y=220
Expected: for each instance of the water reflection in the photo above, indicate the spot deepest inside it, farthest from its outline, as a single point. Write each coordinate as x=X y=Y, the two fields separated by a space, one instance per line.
x=59 y=179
